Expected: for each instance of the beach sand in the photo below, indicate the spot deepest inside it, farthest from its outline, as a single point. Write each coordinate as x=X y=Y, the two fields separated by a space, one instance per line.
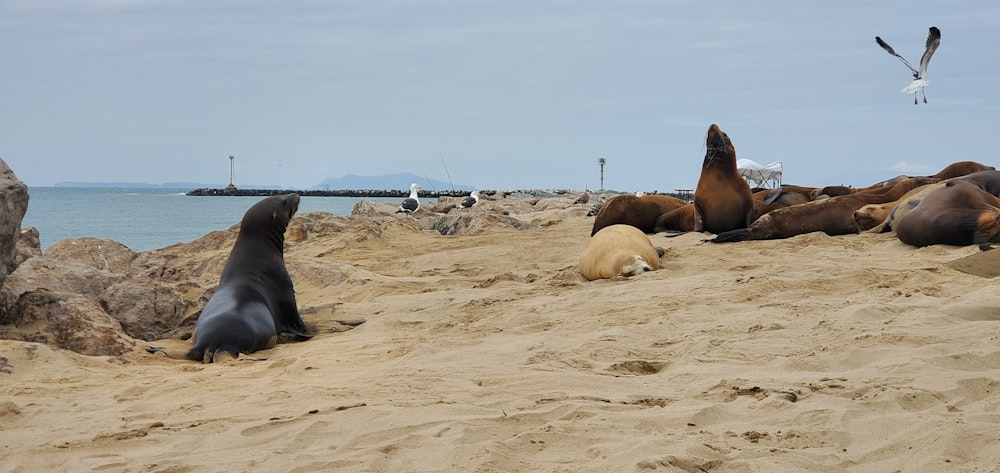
x=489 y=352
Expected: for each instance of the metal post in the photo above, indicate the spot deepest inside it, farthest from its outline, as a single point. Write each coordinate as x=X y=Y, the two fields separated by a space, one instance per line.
x=231 y=168
x=602 y=162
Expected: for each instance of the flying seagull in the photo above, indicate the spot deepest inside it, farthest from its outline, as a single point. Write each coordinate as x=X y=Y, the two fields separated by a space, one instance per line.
x=411 y=203
x=933 y=40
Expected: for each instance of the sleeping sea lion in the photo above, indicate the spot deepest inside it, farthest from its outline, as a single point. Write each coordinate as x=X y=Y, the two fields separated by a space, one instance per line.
x=618 y=250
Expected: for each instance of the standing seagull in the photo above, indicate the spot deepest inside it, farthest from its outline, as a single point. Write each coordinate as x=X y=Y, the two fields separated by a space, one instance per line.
x=933 y=40
x=410 y=204
x=471 y=200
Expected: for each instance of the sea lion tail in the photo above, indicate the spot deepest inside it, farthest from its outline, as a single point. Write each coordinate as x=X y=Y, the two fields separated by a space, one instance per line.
x=740 y=234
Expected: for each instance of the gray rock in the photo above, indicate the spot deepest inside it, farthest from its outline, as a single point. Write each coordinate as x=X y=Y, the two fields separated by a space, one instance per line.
x=13 y=205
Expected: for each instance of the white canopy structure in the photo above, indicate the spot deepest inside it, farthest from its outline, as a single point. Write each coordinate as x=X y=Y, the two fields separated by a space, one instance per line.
x=759 y=174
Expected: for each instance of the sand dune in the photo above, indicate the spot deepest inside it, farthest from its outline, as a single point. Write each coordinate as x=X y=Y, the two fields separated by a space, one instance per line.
x=490 y=353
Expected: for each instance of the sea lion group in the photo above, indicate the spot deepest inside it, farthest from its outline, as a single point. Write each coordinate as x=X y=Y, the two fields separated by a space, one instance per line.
x=957 y=206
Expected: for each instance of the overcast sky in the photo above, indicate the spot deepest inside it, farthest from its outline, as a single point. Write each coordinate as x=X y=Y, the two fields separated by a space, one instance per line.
x=504 y=94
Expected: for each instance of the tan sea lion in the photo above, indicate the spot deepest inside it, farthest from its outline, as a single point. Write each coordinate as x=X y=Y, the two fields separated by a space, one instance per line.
x=960 y=213
x=639 y=211
x=618 y=250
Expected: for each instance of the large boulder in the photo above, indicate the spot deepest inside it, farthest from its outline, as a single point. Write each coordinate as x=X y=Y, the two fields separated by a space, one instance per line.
x=13 y=205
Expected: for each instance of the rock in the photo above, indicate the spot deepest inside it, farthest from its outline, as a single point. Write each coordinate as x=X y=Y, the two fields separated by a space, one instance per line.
x=473 y=222
x=13 y=205
x=149 y=310
x=94 y=252
x=68 y=321
x=28 y=246
x=49 y=275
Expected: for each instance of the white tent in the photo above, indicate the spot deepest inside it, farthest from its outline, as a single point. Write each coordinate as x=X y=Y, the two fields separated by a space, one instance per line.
x=759 y=174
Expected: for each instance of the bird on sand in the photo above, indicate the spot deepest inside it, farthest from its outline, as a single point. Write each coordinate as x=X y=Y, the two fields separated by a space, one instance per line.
x=919 y=82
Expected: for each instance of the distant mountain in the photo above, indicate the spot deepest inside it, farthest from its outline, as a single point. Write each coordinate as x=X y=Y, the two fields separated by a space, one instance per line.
x=386 y=181
x=146 y=185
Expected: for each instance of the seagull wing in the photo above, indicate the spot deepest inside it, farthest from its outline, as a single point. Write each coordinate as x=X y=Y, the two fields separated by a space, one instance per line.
x=888 y=48
x=933 y=40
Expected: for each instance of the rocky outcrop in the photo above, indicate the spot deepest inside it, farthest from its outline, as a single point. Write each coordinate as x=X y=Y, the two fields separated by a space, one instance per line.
x=13 y=205
x=28 y=246
x=98 y=297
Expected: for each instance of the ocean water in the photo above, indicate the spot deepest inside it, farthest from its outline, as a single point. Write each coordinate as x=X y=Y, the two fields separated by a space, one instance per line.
x=146 y=219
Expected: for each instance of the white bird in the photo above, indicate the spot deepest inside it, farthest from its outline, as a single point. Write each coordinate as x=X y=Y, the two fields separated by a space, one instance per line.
x=933 y=40
x=411 y=203
x=472 y=200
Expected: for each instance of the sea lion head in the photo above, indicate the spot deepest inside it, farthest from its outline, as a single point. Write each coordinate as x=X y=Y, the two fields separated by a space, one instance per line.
x=718 y=147
x=638 y=265
x=870 y=215
x=269 y=218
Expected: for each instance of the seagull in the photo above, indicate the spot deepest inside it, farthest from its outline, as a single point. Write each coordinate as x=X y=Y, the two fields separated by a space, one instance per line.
x=471 y=200
x=410 y=204
x=933 y=40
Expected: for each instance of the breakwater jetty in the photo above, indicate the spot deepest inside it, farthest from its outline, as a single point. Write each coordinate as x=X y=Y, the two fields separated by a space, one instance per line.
x=329 y=193
x=539 y=193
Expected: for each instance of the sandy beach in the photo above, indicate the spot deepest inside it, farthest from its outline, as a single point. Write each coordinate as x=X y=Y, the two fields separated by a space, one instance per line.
x=487 y=351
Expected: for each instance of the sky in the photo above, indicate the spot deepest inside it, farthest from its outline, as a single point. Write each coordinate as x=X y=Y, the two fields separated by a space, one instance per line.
x=496 y=95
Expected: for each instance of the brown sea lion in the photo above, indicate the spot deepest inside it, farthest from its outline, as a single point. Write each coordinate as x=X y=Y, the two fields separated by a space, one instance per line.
x=879 y=218
x=833 y=216
x=961 y=168
x=774 y=199
x=618 y=250
x=639 y=211
x=681 y=219
x=960 y=213
x=722 y=197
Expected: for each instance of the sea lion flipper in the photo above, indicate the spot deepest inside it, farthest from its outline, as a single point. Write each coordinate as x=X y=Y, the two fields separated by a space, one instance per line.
x=772 y=196
x=740 y=234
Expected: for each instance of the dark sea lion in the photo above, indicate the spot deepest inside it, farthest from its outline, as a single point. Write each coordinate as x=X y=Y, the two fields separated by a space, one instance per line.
x=774 y=199
x=722 y=198
x=960 y=213
x=833 y=216
x=836 y=191
x=639 y=211
x=255 y=300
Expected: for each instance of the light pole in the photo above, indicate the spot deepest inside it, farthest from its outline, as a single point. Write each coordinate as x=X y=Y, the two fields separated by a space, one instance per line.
x=602 y=162
x=231 y=166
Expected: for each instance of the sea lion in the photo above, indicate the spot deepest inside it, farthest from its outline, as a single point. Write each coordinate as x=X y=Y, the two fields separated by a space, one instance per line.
x=960 y=213
x=255 y=300
x=639 y=211
x=833 y=216
x=618 y=249
x=682 y=219
x=722 y=197
x=961 y=168
x=879 y=218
